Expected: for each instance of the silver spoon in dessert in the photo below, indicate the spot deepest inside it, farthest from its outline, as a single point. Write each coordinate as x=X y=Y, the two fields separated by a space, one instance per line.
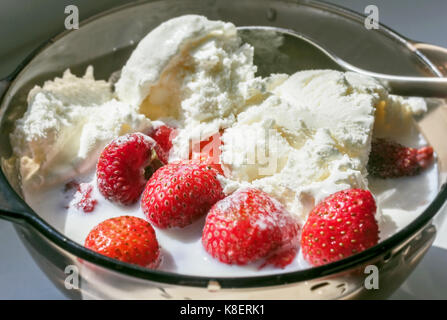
x=308 y=54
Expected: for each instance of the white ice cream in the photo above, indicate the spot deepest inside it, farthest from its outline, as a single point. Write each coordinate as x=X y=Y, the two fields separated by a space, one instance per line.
x=67 y=124
x=317 y=125
x=160 y=49
x=196 y=71
x=188 y=68
x=309 y=139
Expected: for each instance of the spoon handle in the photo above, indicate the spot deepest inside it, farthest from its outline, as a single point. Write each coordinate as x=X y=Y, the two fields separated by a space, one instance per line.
x=414 y=86
x=407 y=86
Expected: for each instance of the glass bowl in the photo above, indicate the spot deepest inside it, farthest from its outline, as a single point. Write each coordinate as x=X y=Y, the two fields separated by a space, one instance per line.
x=106 y=41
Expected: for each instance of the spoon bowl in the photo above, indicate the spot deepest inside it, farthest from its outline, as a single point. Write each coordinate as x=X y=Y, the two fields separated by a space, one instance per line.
x=279 y=50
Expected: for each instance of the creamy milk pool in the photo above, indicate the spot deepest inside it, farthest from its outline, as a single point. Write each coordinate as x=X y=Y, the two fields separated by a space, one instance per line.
x=400 y=200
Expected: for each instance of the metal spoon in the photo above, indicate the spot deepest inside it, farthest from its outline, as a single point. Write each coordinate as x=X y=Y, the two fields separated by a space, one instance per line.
x=298 y=52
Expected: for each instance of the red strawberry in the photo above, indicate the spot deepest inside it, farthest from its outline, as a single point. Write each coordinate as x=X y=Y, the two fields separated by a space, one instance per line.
x=126 y=238
x=209 y=161
x=249 y=225
x=163 y=135
x=179 y=193
x=120 y=171
x=208 y=151
x=210 y=145
x=339 y=226
x=83 y=198
x=389 y=159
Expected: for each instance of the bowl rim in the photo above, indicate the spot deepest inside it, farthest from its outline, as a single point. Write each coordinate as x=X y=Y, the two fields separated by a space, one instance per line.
x=30 y=218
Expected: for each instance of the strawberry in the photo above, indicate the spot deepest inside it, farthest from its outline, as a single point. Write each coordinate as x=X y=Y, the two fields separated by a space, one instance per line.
x=341 y=225
x=71 y=185
x=83 y=198
x=120 y=171
x=163 y=136
x=389 y=159
x=210 y=145
x=205 y=158
x=207 y=151
x=179 y=193
x=126 y=238
x=249 y=225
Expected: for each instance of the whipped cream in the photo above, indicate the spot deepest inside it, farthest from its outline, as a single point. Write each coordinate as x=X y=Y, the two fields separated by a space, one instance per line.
x=200 y=74
x=299 y=138
x=162 y=57
x=72 y=90
x=67 y=124
x=395 y=119
x=309 y=139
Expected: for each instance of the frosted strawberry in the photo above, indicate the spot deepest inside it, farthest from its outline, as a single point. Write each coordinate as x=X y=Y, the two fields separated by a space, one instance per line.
x=121 y=167
x=249 y=225
x=179 y=193
x=126 y=238
x=341 y=225
x=208 y=160
x=83 y=199
x=208 y=151
x=163 y=136
x=390 y=159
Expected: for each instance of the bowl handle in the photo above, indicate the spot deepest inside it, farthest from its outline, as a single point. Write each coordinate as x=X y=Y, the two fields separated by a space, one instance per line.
x=12 y=207
x=436 y=55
